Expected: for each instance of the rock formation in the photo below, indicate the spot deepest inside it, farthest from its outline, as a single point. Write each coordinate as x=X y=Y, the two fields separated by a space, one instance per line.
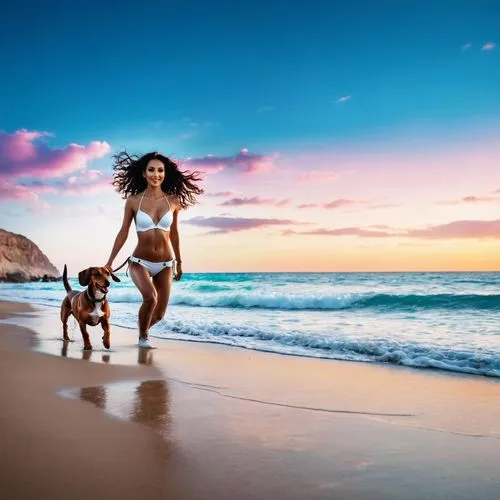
x=21 y=260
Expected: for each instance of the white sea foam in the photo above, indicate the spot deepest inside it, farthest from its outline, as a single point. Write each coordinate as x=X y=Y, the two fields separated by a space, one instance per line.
x=382 y=350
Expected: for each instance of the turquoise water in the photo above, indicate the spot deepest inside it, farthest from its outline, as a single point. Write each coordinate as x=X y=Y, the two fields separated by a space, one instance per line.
x=447 y=321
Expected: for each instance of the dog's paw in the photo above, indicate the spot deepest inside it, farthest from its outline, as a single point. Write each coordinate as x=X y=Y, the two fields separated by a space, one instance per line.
x=87 y=347
x=106 y=343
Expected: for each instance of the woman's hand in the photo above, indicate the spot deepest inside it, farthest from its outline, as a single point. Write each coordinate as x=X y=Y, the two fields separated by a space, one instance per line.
x=178 y=271
x=109 y=267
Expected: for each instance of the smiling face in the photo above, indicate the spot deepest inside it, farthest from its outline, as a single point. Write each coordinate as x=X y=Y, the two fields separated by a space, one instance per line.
x=100 y=279
x=154 y=173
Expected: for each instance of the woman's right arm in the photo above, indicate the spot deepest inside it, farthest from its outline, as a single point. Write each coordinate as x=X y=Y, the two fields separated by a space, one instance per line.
x=122 y=235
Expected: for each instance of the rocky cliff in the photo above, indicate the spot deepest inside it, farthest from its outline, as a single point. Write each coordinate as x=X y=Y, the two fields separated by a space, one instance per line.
x=21 y=260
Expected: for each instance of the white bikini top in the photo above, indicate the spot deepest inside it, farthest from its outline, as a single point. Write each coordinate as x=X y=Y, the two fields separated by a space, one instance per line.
x=144 y=222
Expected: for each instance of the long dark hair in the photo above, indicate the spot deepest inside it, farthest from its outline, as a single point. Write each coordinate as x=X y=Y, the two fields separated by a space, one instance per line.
x=128 y=177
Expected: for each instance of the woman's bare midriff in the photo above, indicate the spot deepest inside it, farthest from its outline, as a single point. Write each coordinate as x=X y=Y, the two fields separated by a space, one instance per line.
x=154 y=245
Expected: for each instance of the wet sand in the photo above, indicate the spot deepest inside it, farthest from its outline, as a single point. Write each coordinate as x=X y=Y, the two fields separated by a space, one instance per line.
x=192 y=420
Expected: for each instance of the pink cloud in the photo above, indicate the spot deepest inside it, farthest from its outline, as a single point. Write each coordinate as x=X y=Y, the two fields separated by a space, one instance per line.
x=84 y=184
x=9 y=191
x=339 y=203
x=478 y=199
x=282 y=203
x=244 y=161
x=13 y=192
x=38 y=187
x=488 y=46
x=231 y=224
x=459 y=229
x=22 y=156
x=464 y=229
x=237 y=202
x=342 y=202
x=318 y=175
x=221 y=194
x=344 y=231
x=469 y=200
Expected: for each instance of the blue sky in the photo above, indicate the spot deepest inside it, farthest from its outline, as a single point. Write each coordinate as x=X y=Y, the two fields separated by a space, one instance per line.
x=266 y=72
x=381 y=113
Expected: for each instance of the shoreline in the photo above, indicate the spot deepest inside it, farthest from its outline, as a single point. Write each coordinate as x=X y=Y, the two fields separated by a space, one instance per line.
x=216 y=422
x=125 y=353
x=452 y=372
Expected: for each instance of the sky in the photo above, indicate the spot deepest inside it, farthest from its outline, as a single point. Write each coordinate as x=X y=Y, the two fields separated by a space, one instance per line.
x=332 y=135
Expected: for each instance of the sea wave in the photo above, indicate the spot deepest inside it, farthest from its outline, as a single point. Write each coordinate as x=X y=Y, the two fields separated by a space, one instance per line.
x=381 y=350
x=381 y=301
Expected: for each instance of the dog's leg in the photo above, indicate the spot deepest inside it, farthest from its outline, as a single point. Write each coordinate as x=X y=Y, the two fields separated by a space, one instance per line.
x=107 y=333
x=65 y=314
x=86 y=339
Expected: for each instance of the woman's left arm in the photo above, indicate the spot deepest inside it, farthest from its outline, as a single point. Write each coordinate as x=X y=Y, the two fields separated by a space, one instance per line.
x=174 y=238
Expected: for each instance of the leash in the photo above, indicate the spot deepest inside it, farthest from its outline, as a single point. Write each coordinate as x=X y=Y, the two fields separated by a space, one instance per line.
x=118 y=268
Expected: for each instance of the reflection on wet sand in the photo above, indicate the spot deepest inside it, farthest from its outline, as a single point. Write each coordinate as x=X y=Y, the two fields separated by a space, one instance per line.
x=151 y=404
x=95 y=395
x=144 y=356
x=64 y=349
x=146 y=402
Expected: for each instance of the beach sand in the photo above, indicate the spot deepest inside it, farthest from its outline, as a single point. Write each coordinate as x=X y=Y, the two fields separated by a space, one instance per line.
x=192 y=420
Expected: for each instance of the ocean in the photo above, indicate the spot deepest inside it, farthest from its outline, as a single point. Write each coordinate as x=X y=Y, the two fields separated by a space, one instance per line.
x=444 y=321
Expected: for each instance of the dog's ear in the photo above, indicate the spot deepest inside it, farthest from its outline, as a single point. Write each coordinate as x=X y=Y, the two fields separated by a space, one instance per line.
x=105 y=270
x=84 y=277
x=115 y=278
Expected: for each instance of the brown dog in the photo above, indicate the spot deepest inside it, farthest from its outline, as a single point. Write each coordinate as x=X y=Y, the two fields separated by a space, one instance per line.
x=89 y=307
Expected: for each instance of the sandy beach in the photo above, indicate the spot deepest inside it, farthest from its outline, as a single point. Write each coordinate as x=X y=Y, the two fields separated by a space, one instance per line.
x=192 y=420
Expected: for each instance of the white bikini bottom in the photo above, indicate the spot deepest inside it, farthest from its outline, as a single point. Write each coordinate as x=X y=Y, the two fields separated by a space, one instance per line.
x=152 y=267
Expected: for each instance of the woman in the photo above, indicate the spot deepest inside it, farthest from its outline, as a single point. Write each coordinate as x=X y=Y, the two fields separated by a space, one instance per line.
x=155 y=190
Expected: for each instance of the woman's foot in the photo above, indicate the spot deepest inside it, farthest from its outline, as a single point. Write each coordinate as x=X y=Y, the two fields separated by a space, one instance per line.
x=144 y=343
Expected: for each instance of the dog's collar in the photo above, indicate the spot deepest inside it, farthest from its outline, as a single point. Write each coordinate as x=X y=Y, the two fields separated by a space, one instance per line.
x=93 y=299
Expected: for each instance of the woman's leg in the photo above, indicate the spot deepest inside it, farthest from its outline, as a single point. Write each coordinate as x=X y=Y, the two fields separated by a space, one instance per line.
x=162 y=283
x=141 y=279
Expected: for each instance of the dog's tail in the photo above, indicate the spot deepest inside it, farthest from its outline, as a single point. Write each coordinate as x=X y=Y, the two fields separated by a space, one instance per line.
x=65 y=279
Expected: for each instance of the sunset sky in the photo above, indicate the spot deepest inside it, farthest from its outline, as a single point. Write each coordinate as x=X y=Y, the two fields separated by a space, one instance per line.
x=334 y=135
